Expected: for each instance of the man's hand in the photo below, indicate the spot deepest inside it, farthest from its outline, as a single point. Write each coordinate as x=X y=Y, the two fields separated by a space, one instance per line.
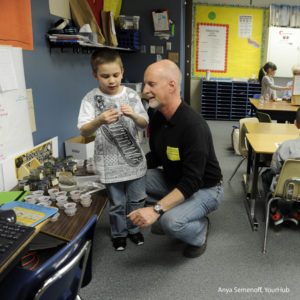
x=143 y=217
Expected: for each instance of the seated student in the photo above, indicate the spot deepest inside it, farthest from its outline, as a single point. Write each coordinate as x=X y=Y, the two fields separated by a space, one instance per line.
x=287 y=95
x=265 y=77
x=288 y=149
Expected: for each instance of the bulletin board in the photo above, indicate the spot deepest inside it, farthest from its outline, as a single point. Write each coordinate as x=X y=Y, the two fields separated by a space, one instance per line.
x=243 y=43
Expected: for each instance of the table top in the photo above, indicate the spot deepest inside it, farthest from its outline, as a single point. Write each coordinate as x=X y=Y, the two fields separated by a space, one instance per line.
x=11 y=259
x=271 y=128
x=267 y=143
x=66 y=228
x=274 y=105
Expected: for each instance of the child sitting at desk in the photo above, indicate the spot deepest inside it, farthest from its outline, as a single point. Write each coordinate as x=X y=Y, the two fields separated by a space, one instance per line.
x=265 y=77
x=287 y=95
x=115 y=112
x=288 y=149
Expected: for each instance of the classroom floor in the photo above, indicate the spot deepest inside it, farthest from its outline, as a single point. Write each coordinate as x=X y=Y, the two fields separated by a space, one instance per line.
x=233 y=266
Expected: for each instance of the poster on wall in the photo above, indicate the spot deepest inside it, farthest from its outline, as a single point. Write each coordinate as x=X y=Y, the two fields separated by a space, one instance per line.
x=245 y=26
x=212 y=45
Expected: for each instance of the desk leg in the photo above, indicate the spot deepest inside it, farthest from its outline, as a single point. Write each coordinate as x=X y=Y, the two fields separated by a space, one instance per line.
x=251 y=195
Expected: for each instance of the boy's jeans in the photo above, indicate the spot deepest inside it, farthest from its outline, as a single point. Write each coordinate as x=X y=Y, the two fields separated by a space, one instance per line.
x=186 y=221
x=124 y=198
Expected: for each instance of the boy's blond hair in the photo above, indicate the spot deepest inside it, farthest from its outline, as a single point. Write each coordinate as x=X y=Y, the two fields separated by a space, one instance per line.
x=103 y=56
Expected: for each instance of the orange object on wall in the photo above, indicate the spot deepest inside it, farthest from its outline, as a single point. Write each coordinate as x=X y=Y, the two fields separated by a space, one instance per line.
x=16 y=24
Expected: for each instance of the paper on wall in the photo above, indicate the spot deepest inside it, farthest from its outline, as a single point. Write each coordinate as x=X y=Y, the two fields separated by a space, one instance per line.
x=60 y=8
x=245 y=26
x=31 y=109
x=8 y=79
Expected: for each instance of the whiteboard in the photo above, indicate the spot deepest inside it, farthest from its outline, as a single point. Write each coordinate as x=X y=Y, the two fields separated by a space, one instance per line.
x=284 y=49
x=15 y=130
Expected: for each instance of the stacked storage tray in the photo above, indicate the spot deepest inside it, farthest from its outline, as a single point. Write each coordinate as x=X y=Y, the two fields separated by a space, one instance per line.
x=223 y=100
x=128 y=38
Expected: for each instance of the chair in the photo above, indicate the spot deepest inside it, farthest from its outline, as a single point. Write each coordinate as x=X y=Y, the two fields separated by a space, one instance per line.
x=60 y=277
x=287 y=188
x=263 y=117
x=256 y=96
x=242 y=142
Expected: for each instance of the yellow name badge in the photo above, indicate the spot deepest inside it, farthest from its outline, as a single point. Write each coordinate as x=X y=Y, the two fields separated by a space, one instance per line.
x=173 y=153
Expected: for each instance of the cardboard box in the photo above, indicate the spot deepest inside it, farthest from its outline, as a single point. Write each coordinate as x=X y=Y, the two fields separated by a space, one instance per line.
x=80 y=147
x=135 y=86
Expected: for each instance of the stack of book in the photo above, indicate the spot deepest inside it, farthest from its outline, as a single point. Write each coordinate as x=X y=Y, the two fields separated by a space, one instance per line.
x=68 y=38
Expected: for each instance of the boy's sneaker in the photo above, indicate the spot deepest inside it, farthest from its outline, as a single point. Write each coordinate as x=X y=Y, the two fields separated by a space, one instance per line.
x=294 y=217
x=276 y=218
x=136 y=238
x=119 y=243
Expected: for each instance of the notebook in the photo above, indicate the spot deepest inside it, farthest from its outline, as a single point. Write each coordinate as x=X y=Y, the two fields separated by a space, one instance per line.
x=12 y=196
x=30 y=214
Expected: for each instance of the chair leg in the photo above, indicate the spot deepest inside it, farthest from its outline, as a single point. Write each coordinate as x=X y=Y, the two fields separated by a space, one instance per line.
x=237 y=167
x=267 y=224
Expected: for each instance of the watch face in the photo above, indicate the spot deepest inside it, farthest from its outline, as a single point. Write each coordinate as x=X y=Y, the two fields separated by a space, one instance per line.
x=157 y=208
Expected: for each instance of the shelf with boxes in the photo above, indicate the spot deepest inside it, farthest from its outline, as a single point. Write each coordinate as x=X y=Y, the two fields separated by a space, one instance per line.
x=84 y=47
x=226 y=100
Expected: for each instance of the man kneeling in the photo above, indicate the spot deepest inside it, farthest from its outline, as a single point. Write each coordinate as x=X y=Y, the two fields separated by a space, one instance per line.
x=189 y=186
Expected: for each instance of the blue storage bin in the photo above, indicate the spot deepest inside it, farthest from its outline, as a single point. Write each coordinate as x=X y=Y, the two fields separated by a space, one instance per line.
x=129 y=38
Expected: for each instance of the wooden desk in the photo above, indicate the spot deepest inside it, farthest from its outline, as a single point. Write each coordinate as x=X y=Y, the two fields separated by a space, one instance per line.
x=66 y=228
x=5 y=267
x=272 y=128
x=259 y=143
x=278 y=110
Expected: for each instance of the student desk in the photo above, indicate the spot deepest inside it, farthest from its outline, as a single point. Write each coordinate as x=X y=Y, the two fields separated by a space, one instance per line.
x=66 y=228
x=271 y=128
x=278 y=110
x=5 y=267
x=259 y=143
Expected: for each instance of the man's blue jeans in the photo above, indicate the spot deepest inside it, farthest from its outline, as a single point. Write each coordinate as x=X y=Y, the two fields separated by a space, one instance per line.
x=186 y=221
x=125 y=197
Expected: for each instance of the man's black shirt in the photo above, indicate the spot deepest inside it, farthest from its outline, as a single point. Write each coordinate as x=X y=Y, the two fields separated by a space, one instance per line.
x=184 y=147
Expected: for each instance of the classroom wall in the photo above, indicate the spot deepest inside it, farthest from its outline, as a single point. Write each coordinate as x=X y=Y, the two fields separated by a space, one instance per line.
x=60 y=80
x=135 y=65
x=195 y=83
x=258 y=3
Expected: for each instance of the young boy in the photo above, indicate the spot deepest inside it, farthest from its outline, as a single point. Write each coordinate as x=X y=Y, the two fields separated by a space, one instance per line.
x=288 y=149
x=115 y=112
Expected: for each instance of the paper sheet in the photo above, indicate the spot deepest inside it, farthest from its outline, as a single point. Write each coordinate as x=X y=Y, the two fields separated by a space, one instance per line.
x=160 y=21
x=16 y=24
x=60 y=8
x=114 y=6
x=296 y=85
x=8 y=79
x=31 y=109
x=245 y=26
x=212 y=47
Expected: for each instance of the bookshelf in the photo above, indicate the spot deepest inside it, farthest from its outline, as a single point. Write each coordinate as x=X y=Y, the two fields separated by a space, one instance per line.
x=226 y=100
x=83 y=47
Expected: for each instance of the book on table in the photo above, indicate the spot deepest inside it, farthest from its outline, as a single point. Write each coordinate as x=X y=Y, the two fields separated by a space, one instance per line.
x=29 y=214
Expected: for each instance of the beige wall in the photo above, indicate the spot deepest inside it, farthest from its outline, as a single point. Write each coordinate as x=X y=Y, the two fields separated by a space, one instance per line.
x=196 y=94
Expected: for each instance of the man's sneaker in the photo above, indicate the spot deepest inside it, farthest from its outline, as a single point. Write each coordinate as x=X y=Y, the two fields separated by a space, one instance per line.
x=136 y=238
x=276 y=218
x=119 y=243
x=192 y=251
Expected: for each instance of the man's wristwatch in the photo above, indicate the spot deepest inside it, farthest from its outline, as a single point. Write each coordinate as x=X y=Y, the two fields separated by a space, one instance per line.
x=158 y=209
